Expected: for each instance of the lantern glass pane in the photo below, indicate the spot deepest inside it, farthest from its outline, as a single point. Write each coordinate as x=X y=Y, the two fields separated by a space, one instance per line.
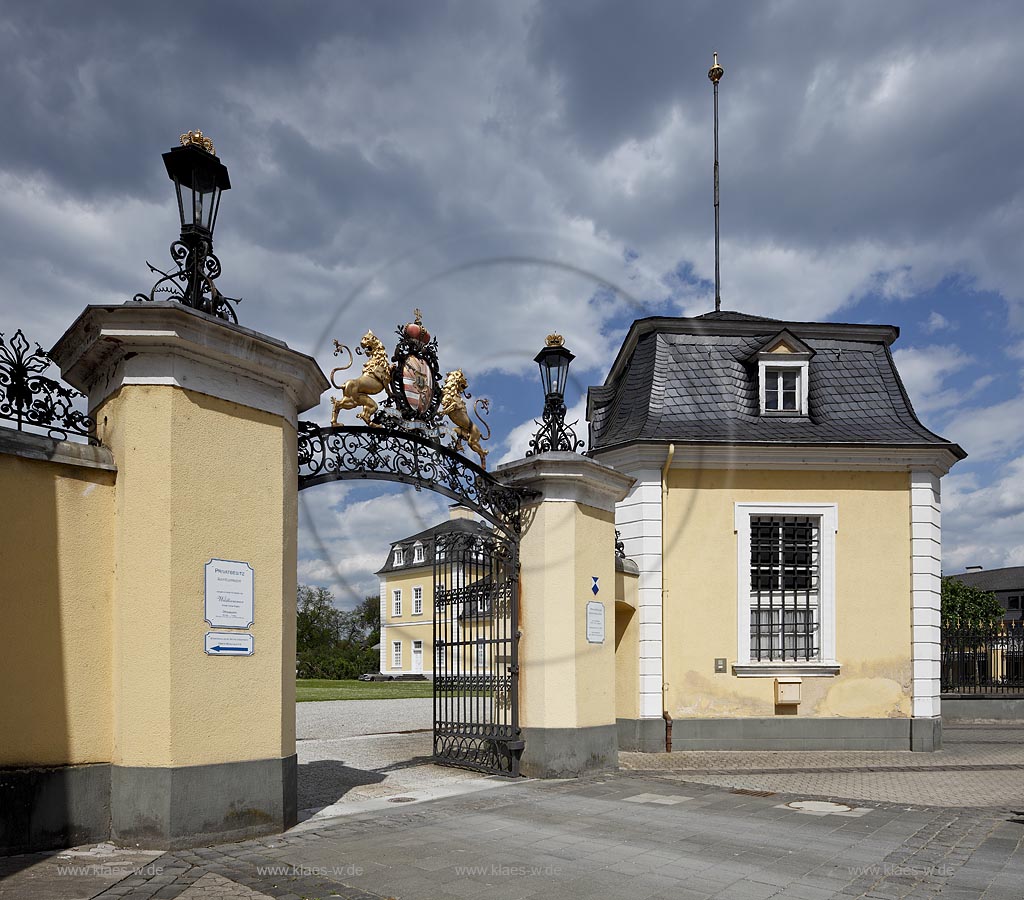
x=184 y=202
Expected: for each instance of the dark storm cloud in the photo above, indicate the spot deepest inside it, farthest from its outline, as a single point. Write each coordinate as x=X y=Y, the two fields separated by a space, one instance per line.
x=814 y=149
x=94 y=88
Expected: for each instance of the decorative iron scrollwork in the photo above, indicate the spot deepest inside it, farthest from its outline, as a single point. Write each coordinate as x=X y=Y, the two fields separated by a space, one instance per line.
x=193 y=282
x=333 y=454
x=30 y=398
x=553 y=433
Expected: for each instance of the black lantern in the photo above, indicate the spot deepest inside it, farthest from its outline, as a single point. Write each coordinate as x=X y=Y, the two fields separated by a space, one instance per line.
x=554 y=362
x=554 y=434
x=199 y=179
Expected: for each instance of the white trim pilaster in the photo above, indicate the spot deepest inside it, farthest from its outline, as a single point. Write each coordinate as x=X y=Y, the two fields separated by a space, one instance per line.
x=638 y=520
x=926 y=591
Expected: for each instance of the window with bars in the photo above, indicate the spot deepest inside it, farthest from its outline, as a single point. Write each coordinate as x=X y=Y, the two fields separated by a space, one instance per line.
x=417 y=601
x=785 y=563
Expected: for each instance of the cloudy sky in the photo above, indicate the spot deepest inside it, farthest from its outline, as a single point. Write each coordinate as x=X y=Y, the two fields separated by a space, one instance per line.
x=515 y=168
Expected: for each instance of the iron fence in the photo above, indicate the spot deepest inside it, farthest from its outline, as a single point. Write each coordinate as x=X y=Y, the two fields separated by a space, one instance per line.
x=983 y=659
x=33 y=401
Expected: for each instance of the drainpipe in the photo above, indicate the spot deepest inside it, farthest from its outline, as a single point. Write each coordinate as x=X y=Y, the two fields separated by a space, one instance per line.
x=664 y=684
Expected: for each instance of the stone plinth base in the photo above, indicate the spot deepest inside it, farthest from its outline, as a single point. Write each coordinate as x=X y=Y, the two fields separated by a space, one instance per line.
x=569 y=752
x=200 y=805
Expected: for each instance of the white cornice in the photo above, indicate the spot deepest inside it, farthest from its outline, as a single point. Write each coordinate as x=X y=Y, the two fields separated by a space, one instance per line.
x=832 y=457
x=568 y=477
x=170 y=344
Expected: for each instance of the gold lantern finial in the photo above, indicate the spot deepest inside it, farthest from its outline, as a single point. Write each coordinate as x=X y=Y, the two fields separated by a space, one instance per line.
x=198 y=139
x=554 y=340
x=716 y=72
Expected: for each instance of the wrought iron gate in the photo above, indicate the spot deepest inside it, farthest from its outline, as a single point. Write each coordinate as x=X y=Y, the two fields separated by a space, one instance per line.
x=476 y=663
x=476 y=572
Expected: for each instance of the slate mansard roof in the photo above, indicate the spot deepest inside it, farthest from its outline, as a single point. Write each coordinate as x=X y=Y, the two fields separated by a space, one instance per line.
x=695 y=380
x=428 y=538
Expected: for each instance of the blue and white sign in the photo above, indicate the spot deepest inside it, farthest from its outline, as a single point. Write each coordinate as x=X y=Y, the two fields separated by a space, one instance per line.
x=594 y=588
x=229 y=594
x=228 y=644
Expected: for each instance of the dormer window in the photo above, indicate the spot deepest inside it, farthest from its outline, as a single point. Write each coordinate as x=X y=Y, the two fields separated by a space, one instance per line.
x=781 y=390
x=418 y=555
x=399 y=558
x=783 y=367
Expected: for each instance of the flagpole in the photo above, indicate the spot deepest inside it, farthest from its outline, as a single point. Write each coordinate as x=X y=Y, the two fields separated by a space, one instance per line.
x=715 y=73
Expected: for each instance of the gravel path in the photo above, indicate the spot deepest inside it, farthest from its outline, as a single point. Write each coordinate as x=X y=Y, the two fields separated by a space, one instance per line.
x=329 y=719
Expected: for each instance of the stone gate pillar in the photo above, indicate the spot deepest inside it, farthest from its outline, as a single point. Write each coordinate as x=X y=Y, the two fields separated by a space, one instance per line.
x=567 y=649
x=200 y=416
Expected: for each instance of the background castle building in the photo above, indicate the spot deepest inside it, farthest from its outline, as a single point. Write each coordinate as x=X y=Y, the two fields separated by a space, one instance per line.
x=407 y=609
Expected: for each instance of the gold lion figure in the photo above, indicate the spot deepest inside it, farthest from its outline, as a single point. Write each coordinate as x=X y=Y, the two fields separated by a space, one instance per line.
x=453 y=406
x=376 y=377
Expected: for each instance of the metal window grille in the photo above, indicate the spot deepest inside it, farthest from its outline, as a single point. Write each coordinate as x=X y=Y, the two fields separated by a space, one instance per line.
x=785 y=563
x=780 y=389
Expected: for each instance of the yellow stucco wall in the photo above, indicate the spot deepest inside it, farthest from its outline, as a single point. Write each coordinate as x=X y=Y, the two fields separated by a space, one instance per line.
x=565 y=681
x=873 y=583
x=199 y=478
x=627 y=647
x=412 y=627
x=56 y=581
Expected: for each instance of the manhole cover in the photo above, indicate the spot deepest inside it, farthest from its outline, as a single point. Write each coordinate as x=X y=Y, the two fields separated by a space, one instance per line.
x=825 y=806
x=401 y=799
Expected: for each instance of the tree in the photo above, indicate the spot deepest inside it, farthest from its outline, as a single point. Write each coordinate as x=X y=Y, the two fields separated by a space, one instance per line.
x=334 y=643
x=318 y=622
x=966 y=605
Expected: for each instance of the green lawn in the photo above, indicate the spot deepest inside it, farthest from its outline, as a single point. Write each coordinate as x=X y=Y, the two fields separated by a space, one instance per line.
x=319 y=689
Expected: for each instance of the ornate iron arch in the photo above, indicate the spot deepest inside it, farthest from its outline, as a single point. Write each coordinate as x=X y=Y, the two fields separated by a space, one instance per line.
x=343 y=452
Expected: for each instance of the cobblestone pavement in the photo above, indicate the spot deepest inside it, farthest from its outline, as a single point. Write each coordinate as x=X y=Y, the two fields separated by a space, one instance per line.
x=614 y=836
x=979 y=766
x=654 y=834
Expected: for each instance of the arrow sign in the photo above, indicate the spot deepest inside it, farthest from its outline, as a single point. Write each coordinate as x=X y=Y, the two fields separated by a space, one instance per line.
x=217 y=643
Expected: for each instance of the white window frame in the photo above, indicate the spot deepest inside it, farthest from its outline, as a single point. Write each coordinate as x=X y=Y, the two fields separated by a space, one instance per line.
x=481 y=654
x=828 y=514
x=418 y=554
x=777 y=364
x=399 y=557
x=396 y=601
x=396 y=654
x=417 y=600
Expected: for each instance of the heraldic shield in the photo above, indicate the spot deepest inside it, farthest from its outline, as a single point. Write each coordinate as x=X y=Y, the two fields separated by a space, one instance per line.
x=415 y=379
